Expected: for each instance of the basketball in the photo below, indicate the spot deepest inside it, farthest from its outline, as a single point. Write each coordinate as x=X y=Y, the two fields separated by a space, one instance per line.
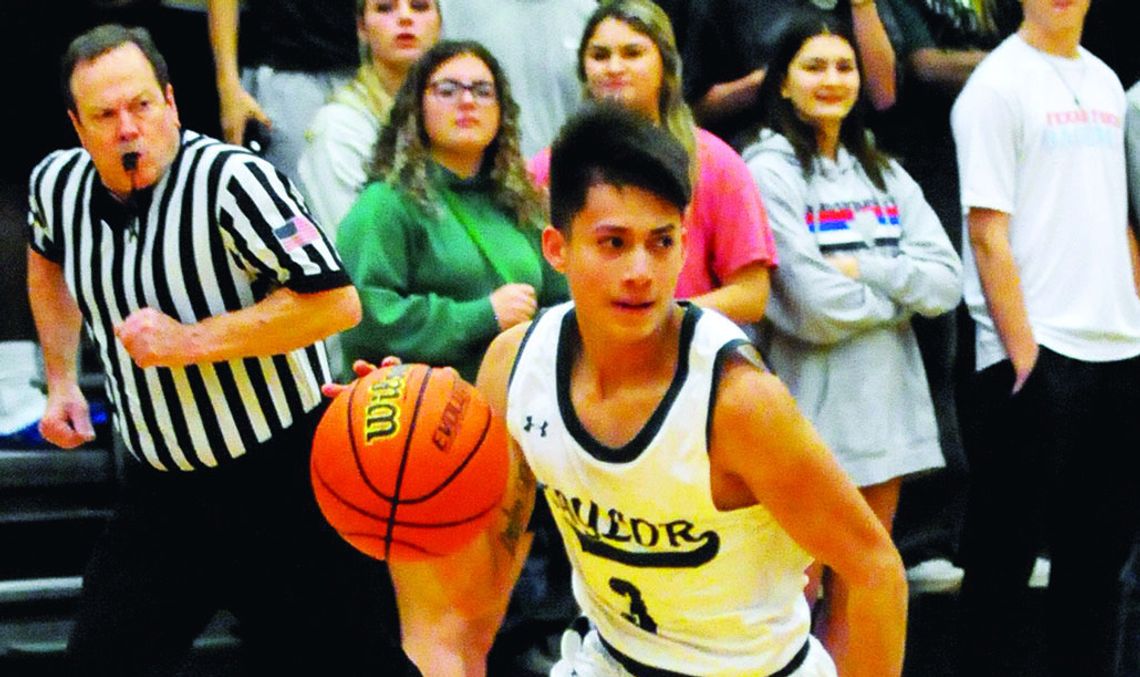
x=409 y=462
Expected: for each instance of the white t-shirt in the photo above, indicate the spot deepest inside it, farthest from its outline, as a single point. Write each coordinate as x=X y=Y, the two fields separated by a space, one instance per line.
x=666 y=577
x=1041 y=138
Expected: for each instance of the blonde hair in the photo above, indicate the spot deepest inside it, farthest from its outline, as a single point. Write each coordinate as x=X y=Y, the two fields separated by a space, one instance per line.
x=366 y=92
x=647 y=18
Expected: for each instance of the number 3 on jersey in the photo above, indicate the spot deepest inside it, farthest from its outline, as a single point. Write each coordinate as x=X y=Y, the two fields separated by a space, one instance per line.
x=638 y=613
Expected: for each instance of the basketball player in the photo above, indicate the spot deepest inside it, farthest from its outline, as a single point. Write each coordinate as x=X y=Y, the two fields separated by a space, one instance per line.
x=689 y=491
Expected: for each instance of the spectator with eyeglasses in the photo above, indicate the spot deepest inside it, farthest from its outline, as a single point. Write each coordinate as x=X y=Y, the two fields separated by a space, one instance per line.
x=444 y=243
x=444 y=247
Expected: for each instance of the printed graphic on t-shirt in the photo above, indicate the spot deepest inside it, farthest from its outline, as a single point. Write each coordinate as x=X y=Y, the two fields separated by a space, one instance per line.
x=632 y=540
x=1080 y=128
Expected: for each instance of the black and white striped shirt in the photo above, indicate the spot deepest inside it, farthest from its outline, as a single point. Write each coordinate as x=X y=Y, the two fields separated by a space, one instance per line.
x=219 y=232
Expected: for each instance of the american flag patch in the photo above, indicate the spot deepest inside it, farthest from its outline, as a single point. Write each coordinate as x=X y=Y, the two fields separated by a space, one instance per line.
x=296 y=233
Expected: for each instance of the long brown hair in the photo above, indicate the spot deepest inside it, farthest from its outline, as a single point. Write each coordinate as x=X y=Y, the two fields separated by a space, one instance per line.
x=403 y=151
x=777 y=113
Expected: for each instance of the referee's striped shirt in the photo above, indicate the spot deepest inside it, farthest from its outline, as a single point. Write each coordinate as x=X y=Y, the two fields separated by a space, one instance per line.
x=220 y=231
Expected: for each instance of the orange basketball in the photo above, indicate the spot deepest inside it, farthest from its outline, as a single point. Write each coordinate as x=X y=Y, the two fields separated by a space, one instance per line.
x=409 y=462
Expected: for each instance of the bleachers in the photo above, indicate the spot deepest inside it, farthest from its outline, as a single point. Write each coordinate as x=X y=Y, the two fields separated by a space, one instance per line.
x=53 y=505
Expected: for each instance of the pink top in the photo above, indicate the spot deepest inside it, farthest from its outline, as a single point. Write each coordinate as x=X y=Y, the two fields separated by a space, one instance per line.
x=726 y=222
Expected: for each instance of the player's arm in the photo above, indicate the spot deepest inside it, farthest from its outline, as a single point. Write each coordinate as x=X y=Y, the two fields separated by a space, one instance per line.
x=451 y=607
x=1001 y=285
x=484 y=573
x=66 y=421
x=762 y=442
x=477 y=580
x=509 y=539
x=234 y=103
x=282 y=321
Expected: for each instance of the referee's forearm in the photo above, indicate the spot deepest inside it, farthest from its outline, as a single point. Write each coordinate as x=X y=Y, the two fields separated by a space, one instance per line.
x=57 y=318
x=283 y=321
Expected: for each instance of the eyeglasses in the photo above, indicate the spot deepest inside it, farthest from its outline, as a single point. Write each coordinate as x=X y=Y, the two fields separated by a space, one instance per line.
x=482 y=91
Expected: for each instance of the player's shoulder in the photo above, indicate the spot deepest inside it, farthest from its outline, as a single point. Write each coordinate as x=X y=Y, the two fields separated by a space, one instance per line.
x=505 y=347
x=753 y=416
x=748 y=396
x=536 y=338
x=498 y=365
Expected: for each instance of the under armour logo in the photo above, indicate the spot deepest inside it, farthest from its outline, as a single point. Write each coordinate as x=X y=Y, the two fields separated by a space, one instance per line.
x=530 y=426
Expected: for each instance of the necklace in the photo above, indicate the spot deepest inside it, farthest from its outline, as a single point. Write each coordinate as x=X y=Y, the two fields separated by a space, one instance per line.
x=1049 y=61
x=1072 y=91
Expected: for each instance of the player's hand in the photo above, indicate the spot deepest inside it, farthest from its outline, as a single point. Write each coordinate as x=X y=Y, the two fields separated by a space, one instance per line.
x=237 y=106
x=66 y=421
x=155 y=339
x=361 y=368
x=514 y=303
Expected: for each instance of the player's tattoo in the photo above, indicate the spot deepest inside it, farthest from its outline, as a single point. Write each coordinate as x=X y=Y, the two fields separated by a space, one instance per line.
x=514 y=529
x=517 y=513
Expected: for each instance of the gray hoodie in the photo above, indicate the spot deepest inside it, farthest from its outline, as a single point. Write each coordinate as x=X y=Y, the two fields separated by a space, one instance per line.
x=844 y=346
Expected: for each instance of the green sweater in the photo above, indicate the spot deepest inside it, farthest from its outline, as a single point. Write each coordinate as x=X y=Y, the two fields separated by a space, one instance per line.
x=424 y=284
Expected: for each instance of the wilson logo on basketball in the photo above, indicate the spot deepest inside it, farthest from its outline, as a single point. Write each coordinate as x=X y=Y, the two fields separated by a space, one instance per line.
x=449 y=421
x=382 y=415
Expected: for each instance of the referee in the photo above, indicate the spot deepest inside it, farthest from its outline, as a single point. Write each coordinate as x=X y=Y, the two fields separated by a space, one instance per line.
x=207 y=291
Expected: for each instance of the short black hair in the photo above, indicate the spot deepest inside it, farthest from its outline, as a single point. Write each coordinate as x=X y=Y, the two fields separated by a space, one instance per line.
x=608 y=144
x=103 y=39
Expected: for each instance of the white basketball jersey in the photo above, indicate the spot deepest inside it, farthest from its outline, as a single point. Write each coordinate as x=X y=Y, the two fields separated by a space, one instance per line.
x=668 y=579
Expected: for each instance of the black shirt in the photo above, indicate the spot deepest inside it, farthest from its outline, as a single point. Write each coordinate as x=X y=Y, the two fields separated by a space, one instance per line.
x=300 y=35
